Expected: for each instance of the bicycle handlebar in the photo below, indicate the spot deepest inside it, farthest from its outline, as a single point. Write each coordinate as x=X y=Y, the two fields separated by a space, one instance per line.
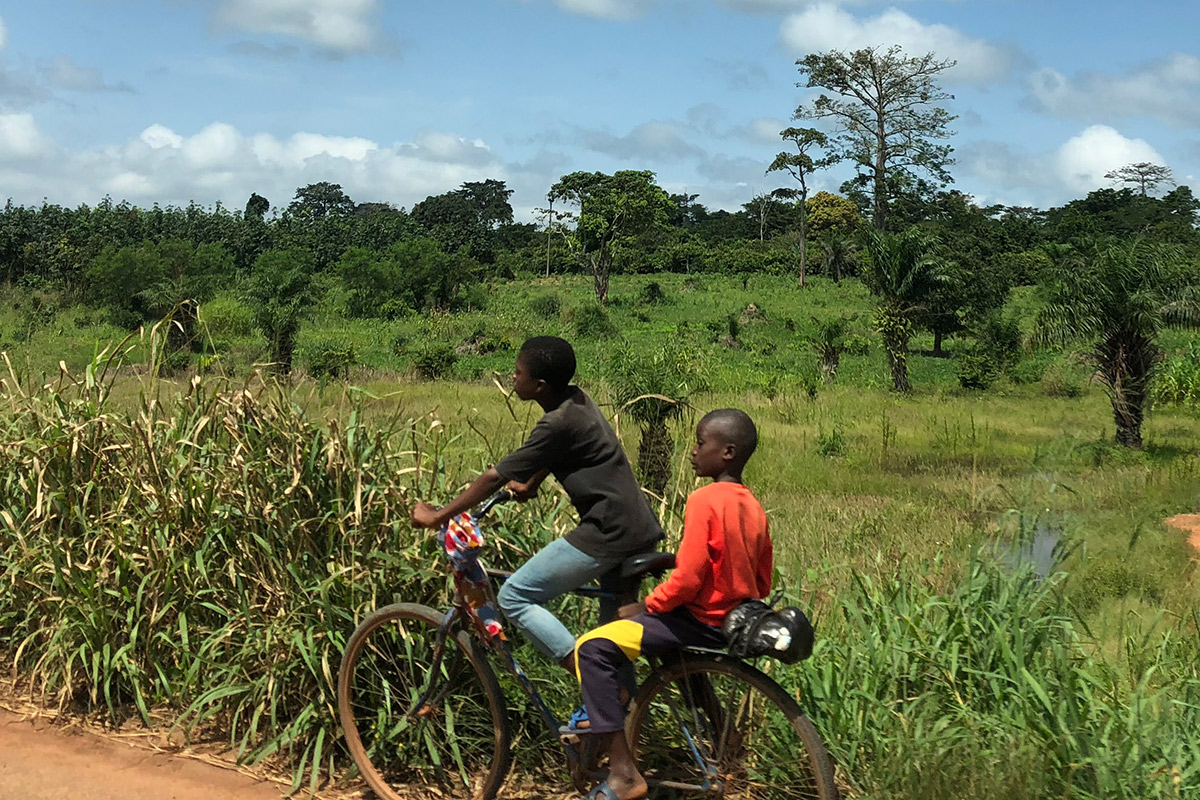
x=502 y=496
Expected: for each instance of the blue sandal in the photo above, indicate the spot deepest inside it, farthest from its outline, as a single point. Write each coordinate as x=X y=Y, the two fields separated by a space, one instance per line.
x=602 y=792
x=576 y=724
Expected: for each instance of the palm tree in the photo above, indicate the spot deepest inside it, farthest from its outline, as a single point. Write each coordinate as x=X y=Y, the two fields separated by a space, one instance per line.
x=652 y=387
x=829 y=342
x=903 y=272
x=1119 y=299
x=839 y=251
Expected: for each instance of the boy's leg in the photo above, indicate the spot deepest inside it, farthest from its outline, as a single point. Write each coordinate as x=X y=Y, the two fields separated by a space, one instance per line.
x=603 y=654
x=554 y=570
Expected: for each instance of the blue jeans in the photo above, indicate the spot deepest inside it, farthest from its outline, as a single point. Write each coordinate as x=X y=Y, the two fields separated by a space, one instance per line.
x=553 y=571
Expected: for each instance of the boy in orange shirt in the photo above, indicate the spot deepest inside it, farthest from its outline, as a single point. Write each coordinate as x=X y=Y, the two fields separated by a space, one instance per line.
x=725 y=557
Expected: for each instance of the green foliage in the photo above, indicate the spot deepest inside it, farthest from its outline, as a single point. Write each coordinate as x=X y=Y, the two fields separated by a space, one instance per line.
x=652 y=294
x=832 y=442
x=409 y=276
x=976 y=370
x=226 y=316
x=434 y=361
x=546 y=306
x=329 y=359
x=280 y=293
x=1061 y=380
x=592 y=321
x=1178 y=381
x=1118 y=298
x=120 y=276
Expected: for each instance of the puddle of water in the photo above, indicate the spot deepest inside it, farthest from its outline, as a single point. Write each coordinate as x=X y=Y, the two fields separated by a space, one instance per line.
x=1042 y=549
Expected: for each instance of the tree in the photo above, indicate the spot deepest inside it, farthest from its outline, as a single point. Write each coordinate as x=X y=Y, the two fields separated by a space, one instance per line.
x=829 y=342
x=612 y=208
x=257 y=207
x=653 y=386
x=1144 y=175
x=800 y=165
x=884 y=110
x=826 y=211
x=1118 y=299
x=320 y=200
x=839 y=252
x=764 y=207
x=903 y=273
x=280 y=291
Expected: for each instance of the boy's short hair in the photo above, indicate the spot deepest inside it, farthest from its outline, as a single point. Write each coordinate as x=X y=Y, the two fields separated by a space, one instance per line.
x=550 y=359
x=736 y=428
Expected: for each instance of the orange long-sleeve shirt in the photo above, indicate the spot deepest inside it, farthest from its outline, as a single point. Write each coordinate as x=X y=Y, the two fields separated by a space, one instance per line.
x=725 y=556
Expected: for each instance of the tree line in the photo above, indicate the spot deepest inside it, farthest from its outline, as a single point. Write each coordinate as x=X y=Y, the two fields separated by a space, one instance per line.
x=936 y=259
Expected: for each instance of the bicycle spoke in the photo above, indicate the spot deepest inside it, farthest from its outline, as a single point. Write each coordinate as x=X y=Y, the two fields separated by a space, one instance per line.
x=706 y=730
x=418 y=720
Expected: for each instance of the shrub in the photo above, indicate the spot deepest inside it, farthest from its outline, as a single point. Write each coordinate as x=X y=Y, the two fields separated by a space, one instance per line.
x=832 y=442
x=976 y=371
x=225 y=316
x=1059 y=381
x=592 y=320
x=330 y=360
x=857 y=345
x=652 y=294
x=546 y=306
x=1178 y=381
x=434 y=361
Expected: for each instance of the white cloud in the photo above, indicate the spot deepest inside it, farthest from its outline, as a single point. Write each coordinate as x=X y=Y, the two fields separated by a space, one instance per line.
x=1082 y=161
x=1053 y=177
x=19 y=137
x=340 y=26
x=1166 y=90
x=605 y=9
x=828 y=27
x=221 y=163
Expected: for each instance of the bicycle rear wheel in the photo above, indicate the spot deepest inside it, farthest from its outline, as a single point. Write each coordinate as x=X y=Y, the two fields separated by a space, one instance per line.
x=714 y=725
x=459 y=740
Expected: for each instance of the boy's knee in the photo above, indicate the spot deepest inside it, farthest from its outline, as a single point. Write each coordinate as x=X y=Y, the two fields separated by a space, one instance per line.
x=510 y=600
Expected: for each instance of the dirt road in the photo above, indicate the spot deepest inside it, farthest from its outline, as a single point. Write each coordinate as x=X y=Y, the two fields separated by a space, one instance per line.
x=1189 y=524
x=42 y=763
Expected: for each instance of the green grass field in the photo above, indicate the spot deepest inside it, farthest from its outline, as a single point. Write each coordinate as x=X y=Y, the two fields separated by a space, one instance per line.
x=891 y=515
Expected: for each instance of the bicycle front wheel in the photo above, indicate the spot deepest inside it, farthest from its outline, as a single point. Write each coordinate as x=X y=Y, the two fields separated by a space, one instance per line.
x=716 y=726
x=458 y=739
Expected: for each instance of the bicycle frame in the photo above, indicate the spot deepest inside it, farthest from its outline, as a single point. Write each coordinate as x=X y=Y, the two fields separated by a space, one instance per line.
x=463 y=611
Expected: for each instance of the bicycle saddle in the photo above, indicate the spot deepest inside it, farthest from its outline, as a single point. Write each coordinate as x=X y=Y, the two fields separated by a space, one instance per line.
x=647 y=564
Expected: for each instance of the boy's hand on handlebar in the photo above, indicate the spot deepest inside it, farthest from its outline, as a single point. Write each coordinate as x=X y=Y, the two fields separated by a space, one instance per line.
x=522 y=492
x=425 y=516
x=631 y=610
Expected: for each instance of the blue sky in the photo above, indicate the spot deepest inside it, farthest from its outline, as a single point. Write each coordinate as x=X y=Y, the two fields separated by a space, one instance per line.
x=209 y=100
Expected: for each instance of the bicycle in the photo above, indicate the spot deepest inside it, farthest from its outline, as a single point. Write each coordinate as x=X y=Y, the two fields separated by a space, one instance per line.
x=420 y=703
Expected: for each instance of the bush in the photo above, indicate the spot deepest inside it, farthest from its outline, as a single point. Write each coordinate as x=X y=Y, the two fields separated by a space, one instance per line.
x=976 y=370
x=832 y=442
x=330 y=360
x=1059 y=381
x=225 y=316
x=1030 y=369
x=592 y=320
x=546 y=306
x=652 y=294
x=1178 y=382
x=857 y=345
x=434 y=361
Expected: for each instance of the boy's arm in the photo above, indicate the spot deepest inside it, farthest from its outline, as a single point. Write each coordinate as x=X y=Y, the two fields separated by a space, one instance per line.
x=528 y=489
x=692 y=563
x=766 y=568
x=426 y=516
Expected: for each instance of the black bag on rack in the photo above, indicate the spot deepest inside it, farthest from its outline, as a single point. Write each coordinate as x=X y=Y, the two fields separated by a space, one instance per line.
x=755 y=629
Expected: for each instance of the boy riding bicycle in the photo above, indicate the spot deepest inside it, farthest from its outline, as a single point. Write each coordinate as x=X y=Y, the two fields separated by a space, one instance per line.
x=574 y=442
x=725 y=558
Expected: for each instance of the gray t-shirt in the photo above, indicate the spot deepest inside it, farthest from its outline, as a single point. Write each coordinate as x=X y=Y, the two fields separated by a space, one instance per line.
x=578 y=446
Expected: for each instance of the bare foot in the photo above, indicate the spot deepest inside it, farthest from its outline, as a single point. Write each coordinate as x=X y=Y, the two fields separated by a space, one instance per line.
x=633 y=789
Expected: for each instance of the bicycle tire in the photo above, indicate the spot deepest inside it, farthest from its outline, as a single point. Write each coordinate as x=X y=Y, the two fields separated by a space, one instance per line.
x=462 y=744
x=771 y=749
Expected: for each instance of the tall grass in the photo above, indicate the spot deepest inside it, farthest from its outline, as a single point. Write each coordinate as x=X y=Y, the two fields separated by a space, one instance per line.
x=199 y=559
x=994 y=690
x=204 y=557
